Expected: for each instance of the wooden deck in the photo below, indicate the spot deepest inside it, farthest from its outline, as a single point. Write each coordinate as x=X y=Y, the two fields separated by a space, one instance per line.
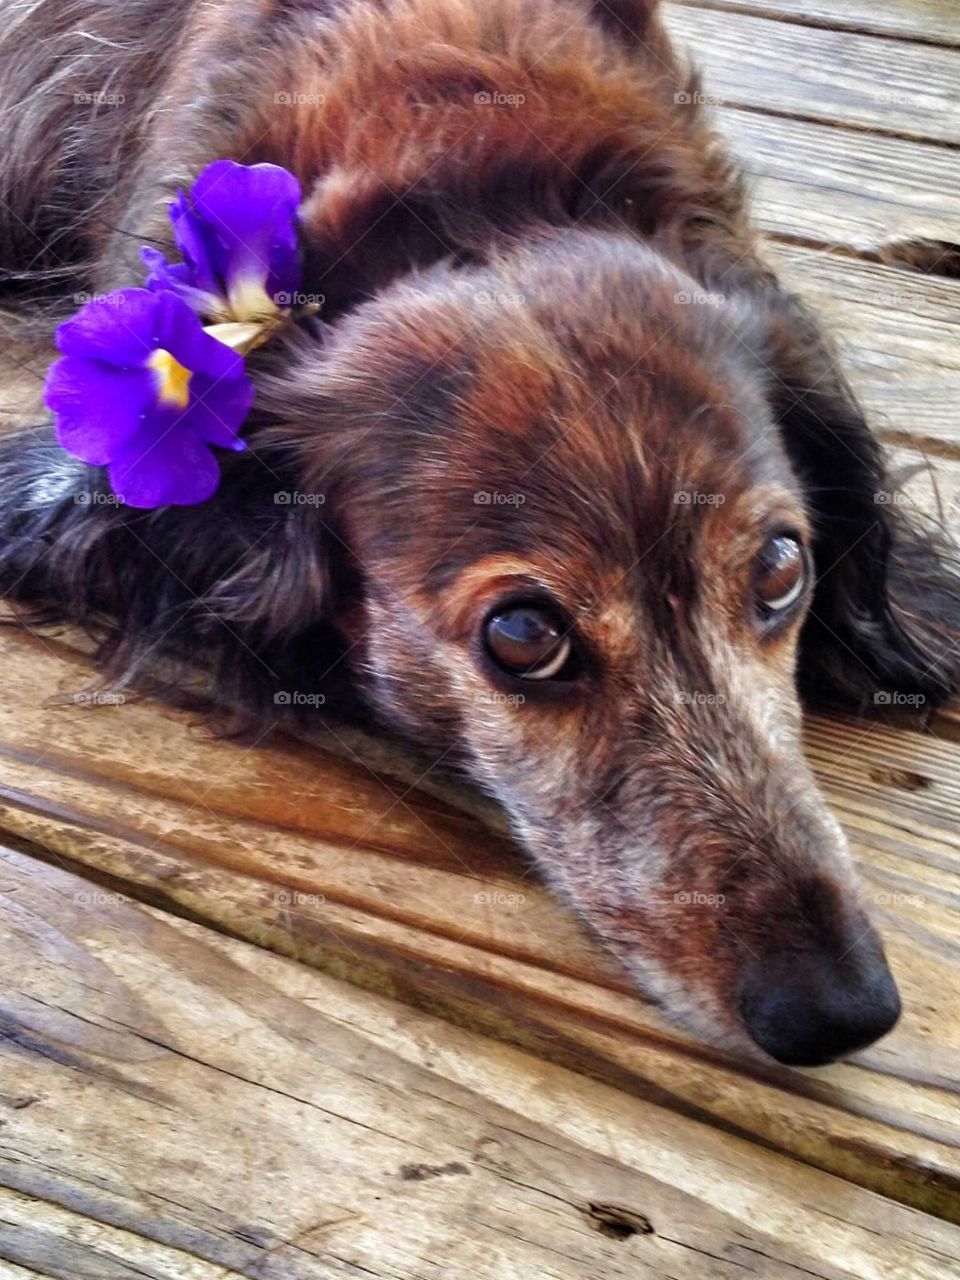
x=275 y=1012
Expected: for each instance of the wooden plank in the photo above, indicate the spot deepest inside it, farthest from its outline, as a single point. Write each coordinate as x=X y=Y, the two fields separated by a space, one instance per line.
x=857 y=190
x=898 y=333
x=932 y=21
x=930 y=485
x=316 y=858
x=888 y=86
x=181 y=1105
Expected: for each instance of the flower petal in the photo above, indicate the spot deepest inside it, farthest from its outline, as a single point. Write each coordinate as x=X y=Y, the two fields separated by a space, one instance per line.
x=203 y=251
x=252 y=210
x=217 y=410
x=99 y=408
x=171 y=469
x=178 y=278
x=180 y=332
x=117 y=328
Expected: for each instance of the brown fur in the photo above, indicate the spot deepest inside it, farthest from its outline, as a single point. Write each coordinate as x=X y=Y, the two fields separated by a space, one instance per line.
x=518 y=301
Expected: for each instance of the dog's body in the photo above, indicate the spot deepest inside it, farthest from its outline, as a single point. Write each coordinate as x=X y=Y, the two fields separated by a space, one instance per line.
x=555 y=407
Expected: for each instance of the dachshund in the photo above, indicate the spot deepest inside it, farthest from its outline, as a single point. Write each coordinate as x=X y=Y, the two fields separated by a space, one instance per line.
x=560 y=486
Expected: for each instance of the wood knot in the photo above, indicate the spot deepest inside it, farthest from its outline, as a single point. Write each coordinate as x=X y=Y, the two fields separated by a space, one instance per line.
x=903 y=779
x=616 y=1222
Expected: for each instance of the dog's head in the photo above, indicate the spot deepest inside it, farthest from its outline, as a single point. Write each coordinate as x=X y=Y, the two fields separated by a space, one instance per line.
x=567 y=521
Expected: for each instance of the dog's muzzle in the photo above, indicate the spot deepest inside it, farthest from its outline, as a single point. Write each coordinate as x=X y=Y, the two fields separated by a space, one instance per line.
x=812 y=1007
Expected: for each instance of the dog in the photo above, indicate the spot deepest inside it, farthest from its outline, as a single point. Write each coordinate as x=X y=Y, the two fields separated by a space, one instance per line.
x=560 y=485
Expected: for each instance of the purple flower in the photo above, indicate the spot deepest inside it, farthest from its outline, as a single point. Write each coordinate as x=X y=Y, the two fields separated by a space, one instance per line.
x=144 y=391
x=237 y=232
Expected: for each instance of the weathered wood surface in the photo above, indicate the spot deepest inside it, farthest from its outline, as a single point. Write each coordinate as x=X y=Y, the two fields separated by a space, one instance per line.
x=858 y=81
x=817 y=182
x=178 y=1104
x=322 y=860
x=898 y=334
x=929 y=21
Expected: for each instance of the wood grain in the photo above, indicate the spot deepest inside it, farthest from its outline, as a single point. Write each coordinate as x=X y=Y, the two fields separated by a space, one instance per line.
x=300 y=1130
x=930 y=21
x=858 y=81
x=898 y=333
x=829 y=186
x=178 y=1104
x=315 y=857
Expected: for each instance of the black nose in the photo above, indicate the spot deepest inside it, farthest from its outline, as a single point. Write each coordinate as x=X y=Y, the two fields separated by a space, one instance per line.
x=810 y=1008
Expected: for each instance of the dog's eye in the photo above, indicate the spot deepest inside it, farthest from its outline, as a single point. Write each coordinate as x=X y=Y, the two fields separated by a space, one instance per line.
x=527 y=640
x=780 y=574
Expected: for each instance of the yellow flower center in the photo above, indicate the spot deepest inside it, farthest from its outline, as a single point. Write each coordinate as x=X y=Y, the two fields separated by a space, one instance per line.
x=173 y=379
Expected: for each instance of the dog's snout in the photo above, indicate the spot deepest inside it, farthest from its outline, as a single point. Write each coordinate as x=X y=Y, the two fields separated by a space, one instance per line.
x=808 y=1009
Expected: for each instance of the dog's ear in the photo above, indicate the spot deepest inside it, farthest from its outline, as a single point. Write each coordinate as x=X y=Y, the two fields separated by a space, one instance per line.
x=885 y=621
x=627 y=19
x=242 y=585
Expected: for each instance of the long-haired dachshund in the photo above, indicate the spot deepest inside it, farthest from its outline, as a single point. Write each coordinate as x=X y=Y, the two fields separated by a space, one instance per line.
x=560 y=484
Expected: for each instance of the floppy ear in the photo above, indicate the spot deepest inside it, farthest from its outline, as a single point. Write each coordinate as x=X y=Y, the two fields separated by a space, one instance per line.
x=628 y=19
x=241 y=585
x=885 y=621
